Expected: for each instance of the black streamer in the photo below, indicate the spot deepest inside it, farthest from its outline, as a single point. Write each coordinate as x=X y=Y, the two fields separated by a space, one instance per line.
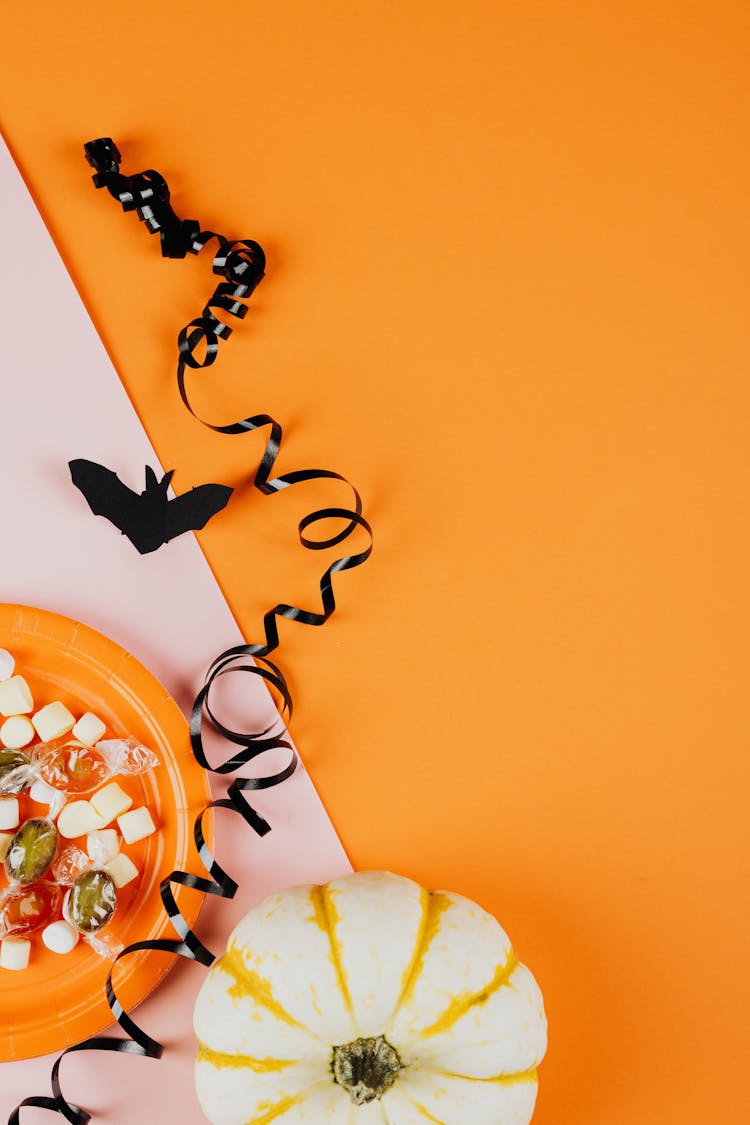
x=242 y=265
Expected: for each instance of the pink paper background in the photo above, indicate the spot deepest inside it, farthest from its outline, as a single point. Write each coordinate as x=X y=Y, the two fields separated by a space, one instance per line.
x=61 y=398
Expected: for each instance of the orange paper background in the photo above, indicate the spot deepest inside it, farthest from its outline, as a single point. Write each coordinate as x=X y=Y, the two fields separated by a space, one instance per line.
x=507 y=290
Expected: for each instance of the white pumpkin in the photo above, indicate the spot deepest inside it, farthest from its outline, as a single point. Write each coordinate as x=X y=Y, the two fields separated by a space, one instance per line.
x=369 y=1001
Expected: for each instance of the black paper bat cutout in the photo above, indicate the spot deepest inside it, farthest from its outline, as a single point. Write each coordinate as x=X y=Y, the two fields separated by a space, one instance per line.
x=148 y=518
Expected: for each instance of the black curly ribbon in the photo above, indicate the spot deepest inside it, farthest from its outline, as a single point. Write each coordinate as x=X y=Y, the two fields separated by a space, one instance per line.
x=242 y=265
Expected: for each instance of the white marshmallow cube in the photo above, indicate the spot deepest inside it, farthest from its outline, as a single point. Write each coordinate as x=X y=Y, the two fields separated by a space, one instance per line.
x=103 y=845
x=123 y=870
x=110 y=802
x=78 y=818
x=8 y=813
x=5 y=839
x=53 y=721
x=60 y=937
x=15 y=697
x=14 y=953
x=16 y=732
x=7 y=664
x=136 y=825
x=89 y=729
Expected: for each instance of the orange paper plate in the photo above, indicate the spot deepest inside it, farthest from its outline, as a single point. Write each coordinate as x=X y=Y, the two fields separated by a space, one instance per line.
x=60 y=1000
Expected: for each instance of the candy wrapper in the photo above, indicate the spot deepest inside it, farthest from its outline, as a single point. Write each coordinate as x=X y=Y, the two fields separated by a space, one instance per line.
x=24 y=910
x=14 y=767
x=32 y=851
x=65 y=767
x=90 y=899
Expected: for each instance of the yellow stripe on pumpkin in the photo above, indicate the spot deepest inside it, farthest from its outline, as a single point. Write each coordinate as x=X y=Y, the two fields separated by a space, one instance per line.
x=516 y=1079
x=460 y=1005
x=519 y=1078
x=271 y=1112
x=249 y=983
x=220 y=1059
x=426 y=1114
x=326 y=917
x=434 y=906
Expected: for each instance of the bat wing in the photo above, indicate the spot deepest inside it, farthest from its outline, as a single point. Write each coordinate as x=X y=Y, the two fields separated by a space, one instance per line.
x=193 y=510
x=105 y=493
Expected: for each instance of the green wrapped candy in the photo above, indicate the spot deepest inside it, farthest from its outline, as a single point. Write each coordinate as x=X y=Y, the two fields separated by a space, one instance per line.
x=31 y=851
x=11 y=760
x=92 y=902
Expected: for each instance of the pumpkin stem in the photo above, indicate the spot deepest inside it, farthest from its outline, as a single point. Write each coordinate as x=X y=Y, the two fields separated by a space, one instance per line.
x=366 y=1068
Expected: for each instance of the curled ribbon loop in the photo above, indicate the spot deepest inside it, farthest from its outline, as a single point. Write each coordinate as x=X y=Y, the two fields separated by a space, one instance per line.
x=241 y=263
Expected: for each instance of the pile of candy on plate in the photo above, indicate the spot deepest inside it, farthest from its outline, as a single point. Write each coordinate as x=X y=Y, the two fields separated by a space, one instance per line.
x=54 y=887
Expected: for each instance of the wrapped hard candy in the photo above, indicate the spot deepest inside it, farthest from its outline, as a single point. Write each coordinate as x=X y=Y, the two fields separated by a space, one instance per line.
x=75 y=768
x=24 y=910
x=72 y=767
x=32 y=851
x=92 y=901
x=15 y=770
